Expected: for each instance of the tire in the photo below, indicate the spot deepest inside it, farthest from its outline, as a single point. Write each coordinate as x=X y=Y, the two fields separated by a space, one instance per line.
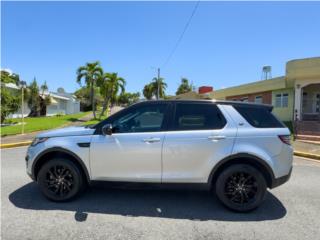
x=60 y=180
x=241 y=187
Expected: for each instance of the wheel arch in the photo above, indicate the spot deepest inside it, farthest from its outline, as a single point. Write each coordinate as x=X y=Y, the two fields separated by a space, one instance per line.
x=244 y=158
x=48 y=154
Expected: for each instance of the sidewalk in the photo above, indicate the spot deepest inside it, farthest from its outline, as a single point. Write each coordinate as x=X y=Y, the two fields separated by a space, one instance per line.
x=30 y=136
x=313 y=148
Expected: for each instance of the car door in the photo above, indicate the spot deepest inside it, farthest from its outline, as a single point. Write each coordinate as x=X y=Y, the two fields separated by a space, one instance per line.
x=133 y=151
x=199 y=136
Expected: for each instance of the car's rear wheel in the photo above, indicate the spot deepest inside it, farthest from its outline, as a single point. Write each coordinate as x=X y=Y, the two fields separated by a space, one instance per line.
x=241 y=187
x=60 y=179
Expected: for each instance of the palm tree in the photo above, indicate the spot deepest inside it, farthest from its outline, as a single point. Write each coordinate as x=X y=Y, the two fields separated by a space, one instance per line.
x=33 y=99
x=44 y=100
x=91 y=72
x=159 y=83
x=148 y=91
x=44 y=87
x=110 y=84
x=184 y=87
x=151 y=89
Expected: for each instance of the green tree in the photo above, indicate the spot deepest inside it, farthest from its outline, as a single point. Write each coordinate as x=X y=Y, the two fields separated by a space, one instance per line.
x=44 y=87
x=83 y=95
x=162 y=87
x=148 y=91
x=6 y=77
x=184 y=86
x=10 y=101
x=91 y=72
x=127 y=98
x=151 y=89
x=110 y=84
x=33 y=99
x=45 y=100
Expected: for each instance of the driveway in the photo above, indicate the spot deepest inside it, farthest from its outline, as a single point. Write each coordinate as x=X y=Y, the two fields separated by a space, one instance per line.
x=289 y=212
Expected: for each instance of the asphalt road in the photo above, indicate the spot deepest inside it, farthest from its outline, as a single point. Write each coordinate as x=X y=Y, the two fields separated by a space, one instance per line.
x=291 y=211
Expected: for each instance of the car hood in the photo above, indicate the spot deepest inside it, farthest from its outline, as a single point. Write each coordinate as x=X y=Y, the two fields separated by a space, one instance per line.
x=68 y=131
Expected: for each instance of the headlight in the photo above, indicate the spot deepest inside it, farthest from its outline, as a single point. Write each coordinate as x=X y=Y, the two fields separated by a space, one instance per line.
x=38 y=140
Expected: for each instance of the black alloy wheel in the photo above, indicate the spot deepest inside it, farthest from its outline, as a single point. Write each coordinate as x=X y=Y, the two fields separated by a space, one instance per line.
x=60 y=179
x=241 y=187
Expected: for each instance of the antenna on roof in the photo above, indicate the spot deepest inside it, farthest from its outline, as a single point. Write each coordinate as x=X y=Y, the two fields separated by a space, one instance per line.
x=266 y=73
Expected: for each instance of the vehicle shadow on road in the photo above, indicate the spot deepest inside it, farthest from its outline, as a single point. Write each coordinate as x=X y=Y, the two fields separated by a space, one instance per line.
x=174 y=204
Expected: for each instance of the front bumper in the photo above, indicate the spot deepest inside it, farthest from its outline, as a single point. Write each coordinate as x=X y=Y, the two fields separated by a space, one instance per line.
x=27 y=159
x=281 y=180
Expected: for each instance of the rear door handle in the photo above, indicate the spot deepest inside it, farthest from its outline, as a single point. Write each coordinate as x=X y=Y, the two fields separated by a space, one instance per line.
x=151 y=140
x=218 y=137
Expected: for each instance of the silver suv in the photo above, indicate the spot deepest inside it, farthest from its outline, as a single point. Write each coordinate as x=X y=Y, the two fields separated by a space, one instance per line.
x=235 y=149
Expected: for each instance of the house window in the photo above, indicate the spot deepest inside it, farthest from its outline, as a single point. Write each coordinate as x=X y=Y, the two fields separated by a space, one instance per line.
x=245 y=99
x=285 y=100
x=258 y=99
x=282 y=100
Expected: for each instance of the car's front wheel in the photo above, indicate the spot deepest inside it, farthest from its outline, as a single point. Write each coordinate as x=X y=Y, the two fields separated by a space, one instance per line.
x=60 y=179
x=241 y=187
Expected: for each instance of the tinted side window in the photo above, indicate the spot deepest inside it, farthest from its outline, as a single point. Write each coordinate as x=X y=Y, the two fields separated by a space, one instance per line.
x=259 y=117
x=197 y=116
x=141 y=119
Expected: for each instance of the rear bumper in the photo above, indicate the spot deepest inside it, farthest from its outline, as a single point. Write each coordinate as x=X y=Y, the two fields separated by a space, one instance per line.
x=281 y=180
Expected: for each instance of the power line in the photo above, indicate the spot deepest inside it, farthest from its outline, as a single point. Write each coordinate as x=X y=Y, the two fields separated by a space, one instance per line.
x=182 y=34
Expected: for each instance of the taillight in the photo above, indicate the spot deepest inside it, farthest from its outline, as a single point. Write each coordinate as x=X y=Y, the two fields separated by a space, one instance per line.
x=285 y=139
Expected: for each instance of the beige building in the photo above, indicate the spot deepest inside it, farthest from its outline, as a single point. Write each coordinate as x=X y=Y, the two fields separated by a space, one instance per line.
x=295 y=96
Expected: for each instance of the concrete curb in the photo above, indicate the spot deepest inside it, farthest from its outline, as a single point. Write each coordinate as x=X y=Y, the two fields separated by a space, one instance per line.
x=307 y=155
x=13 y=145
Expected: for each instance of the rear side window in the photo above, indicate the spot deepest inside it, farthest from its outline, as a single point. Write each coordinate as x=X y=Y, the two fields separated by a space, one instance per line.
x=259 y=117
x=196 y=116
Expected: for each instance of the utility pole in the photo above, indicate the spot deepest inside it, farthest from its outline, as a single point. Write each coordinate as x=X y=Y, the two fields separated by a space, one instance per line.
x=22 y=85
x=158 y=83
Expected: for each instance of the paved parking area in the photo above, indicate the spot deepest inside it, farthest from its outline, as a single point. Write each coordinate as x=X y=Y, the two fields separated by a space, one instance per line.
x=290 y=212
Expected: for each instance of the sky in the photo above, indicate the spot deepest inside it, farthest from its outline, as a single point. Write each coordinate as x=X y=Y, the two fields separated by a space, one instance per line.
x=225 y=44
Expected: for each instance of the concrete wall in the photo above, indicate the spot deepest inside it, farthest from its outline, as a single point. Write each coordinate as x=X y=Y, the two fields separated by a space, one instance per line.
x=284 y=113
x=299 y=69
x=266 y=97
x=26 y=111
x=72 y=107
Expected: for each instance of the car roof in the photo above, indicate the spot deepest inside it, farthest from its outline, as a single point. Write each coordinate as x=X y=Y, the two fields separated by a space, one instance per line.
x=221 y=102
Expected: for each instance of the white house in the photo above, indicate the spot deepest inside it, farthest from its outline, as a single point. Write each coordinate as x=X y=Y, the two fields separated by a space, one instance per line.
x=60 y=103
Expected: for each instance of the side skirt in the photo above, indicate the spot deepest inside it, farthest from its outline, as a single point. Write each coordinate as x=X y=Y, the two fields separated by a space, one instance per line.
x=151 y=186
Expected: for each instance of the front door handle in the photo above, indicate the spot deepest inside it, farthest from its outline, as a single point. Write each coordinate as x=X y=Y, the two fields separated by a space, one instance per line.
x=151 y=140
x=217 y=137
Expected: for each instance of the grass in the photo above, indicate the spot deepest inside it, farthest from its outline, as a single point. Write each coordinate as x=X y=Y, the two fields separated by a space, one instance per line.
x=95 y=121
x=92 y=121
x=40 y=123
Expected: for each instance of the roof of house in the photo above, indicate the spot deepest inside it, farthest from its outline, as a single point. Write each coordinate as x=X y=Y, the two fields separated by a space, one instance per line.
x=254 y=87
x=12 y=86
x=222 y=102
x=56 y=95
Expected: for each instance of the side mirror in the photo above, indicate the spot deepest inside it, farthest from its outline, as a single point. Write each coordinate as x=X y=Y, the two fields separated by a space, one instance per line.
x=107 y=129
